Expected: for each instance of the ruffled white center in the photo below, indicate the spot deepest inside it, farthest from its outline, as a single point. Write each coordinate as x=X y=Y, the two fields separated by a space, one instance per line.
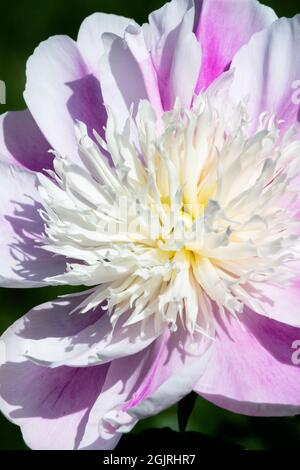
x=191 y=215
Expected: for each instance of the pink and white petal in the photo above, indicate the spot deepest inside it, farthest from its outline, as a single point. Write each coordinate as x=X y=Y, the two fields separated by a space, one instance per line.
x=132 y=379
x=60 y=89
x=162 y=31
x=148 y=382
x=168 y=35
x=93 y=404
x=23 y=261
x=89 y=40
x=222 y=28
x=165 y=20
x=258 y=77
x=89 y=403
x=136 y=42
x=44 y=401
x=179 y=361
x=130 y=58
x=55 y=334
x=50 y=405
x=284 y=303
x=251 y=369
x=22 y=143
x=185 y=67
x=107 y=418
x=122 y=82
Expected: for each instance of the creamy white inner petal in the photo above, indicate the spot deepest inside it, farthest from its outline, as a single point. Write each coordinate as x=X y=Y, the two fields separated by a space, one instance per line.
x=188 y=220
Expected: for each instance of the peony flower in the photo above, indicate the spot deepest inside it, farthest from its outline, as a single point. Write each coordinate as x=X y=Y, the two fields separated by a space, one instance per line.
x=157 y=167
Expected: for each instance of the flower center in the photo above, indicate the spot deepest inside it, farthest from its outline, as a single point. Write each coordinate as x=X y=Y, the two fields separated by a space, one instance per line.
x=192 y=215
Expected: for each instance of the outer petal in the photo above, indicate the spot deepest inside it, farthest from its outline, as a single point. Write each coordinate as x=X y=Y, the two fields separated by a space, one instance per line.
x=169 y=36
x=61 y=89
x=89 y=39
x=51 y=406
x=162 y=32
x=107 y=418
x=185 y=67
x=22 y=143
x=180 y=360
x=126 y=72
x=151 y=62
x=165 y=20
x=115 y=50
x=121 y=78
x=285 y=302
x=55 y=407
x=87 y=408
x=155 y=378
x=267 y=70
x=223 y=27
x=251 y=369
x=135 y=41
x=54 y=334
x=23 y=262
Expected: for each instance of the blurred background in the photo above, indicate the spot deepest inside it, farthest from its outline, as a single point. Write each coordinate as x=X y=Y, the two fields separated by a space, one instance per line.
x=23 y=25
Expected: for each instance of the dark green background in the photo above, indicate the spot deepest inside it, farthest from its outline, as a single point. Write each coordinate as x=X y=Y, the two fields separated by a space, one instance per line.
x=23 y=24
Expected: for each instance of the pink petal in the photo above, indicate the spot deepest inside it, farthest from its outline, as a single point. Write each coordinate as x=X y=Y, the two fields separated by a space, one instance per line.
x=251 y=369
x=54 y=336
x=121 y=78
x=129 y=73
x=135 y=41
x=112 y=396
x=185 y=66
x=50 y=405
x=126 y=71
x=107 y=418
x=266 y=71
x=169 y=36
x=147 y=382
x=285 y=301
x=89 y=39
x=87 y=408
x=222 y=28
x=60 y=89
x=56 y=407
x=22 y=143
x=178 y=362
x=23 y=262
